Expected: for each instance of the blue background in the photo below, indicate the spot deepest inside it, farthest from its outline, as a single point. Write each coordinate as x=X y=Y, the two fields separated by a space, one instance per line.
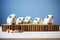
x=33 y=8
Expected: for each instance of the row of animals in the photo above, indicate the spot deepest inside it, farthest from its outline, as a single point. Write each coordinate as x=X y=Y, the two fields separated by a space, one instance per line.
x=11 y=19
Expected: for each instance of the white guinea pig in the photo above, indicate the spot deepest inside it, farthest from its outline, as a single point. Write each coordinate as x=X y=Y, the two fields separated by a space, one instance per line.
x=20 y=20
x=11 y=19
x=48 y=20
x=27 y=20
x=37 y=20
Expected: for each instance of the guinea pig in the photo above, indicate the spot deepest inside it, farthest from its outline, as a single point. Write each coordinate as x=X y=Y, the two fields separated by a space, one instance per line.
x=37 y=20
x=20 y=20
x=27 y=20
x=48 y=20
x=9 y=31
x=15 y=31
x=11 y=19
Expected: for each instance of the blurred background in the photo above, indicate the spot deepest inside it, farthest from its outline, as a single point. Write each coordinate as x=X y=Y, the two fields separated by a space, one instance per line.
x=33 y=8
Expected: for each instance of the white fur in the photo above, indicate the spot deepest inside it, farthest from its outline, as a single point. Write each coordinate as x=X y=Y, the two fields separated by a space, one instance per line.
x=48 y=20
x=20 y=21
x=37 y=20
x=28 y=19
x=10 y=20
x=15 y=31
x=11 y=31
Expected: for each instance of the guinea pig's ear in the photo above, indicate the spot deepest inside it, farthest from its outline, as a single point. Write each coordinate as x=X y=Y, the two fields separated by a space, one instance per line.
x=47 y=17
x=10 y=16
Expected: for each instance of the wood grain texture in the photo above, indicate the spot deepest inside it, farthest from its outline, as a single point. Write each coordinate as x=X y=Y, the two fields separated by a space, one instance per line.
x=31 y=27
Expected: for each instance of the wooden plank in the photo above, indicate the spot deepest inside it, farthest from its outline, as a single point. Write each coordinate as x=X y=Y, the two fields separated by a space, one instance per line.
x=31 y=27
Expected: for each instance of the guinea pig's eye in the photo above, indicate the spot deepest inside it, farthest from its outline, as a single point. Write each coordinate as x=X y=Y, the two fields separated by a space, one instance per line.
x=35 y=19
x=19 y=19
x=23 y=19
x=47 y=16
x=10 y=16
x=52 y=16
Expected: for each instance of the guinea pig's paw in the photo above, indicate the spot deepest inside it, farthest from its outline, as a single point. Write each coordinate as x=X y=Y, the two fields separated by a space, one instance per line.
x=16 y=31
x=11 y=31
x=8 y=30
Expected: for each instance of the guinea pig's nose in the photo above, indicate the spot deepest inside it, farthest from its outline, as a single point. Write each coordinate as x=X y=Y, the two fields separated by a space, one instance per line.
x=38 y=22
x=50 y=18
x=13 y=18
